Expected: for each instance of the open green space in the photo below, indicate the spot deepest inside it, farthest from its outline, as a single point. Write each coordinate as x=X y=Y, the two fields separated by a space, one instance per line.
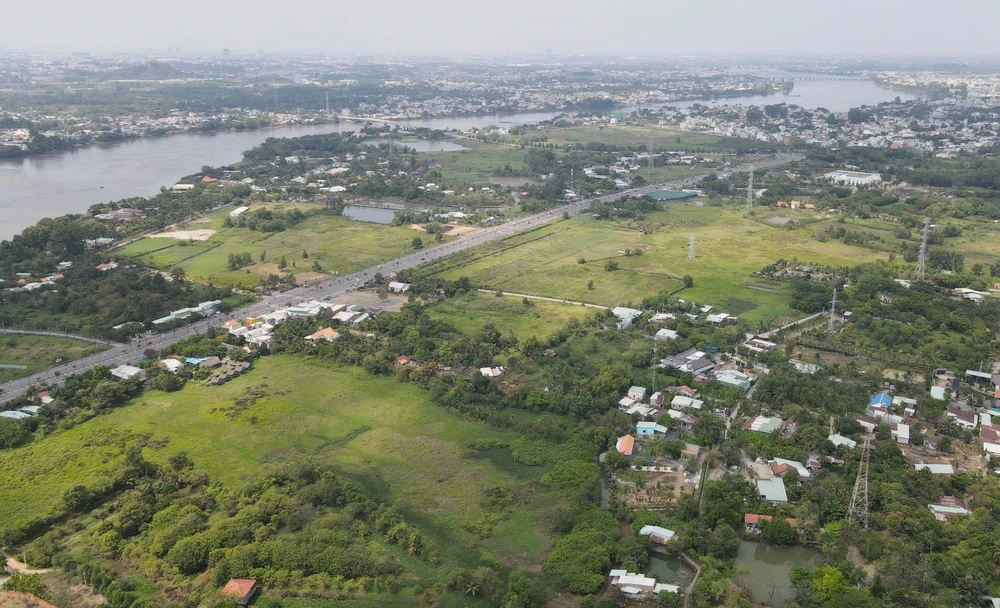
x=539 y=318
x=337 y=243
x=662 y=138
x=39 y=353
x=729 y=248
x=384 y=434
x=478 y=162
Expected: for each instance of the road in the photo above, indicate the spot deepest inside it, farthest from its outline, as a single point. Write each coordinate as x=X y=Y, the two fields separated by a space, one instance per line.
x=340 y=286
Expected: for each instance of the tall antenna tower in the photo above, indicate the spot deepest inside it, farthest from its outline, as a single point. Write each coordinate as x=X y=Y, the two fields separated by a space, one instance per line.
x=652 y=168
x=750 y=193
x=328 y=102
x=656 y=346
x=858 y=510
x=833 y=310
x=571 y=180
x=691 y=247
x=922 y=260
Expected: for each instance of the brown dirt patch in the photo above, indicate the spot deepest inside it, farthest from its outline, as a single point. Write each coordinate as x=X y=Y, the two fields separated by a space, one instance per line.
x=184 y=235
x=308 y=278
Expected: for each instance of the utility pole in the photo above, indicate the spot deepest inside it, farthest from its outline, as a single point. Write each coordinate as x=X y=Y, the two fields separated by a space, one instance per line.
x=858 y=510
x=327 y=102
x=691 y=247
x=750 y=193
x=833 y=310
x=656 y=347
x=922 y=260
x=571 y=180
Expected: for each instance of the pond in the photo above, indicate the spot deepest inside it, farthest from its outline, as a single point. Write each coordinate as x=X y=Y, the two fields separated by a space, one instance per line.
x=669 y=569
x=375 y=215
x=420 y=145
x=769 y=569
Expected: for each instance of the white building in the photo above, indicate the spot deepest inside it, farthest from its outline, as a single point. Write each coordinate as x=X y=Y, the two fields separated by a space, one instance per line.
x=854 y=178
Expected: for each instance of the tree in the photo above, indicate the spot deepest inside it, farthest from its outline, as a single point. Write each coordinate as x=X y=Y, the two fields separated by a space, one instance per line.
x=26 y=583
x=282 y=263
x=305 y=254
x=11 y=433
x=688 y=281
x=615 y=460
x=77 y=498
x=177 y=274
x=611 y=265
x=316 y=266
x=417 y=243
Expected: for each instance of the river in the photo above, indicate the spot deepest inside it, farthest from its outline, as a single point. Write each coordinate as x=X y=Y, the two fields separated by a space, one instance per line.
x=70 y=182
x=769 y=569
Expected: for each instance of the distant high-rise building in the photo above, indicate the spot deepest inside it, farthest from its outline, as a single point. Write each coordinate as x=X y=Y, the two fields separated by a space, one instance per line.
x=225 y=52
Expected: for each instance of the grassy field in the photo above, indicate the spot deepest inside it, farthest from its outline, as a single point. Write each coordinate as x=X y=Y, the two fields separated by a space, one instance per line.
x=385 y=434
x=539 y=318
x=662 y=138
x=729 y=248
x=39 y=353
x=337 y=243
x=480 y=160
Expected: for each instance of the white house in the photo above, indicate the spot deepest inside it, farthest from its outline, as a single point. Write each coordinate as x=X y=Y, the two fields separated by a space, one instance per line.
x=854 y=178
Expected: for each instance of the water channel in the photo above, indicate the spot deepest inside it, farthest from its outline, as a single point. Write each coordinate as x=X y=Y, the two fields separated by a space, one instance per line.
x=769 y=569
x=72 y=181
x=377 y=215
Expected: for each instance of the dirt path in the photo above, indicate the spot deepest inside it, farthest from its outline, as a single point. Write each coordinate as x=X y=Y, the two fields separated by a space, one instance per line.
x=524 y=295
x=12 y=565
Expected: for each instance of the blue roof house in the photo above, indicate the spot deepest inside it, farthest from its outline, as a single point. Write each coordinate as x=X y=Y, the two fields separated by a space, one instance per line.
x=882 y=399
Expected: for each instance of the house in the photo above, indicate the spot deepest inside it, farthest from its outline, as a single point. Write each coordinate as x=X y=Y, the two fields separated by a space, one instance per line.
x=735 y=379
x=763 y=424
x=625 y=444
x=901 y=433
x=838 y=440
x=491 y=372
x=625 y=316
x=935 y=469
x=397 y=287
x=752 y=521
x=637 y=393
x=107 y=266
x=909 y=406
x=243 y=589
x=635 y=585
x=867 y=423
x=937 y=392
x=772 y=490
x=124 y=372
x=687 y=420
x=948 y=507
x=759 y=345
x=681 y=402
x=239 y=210
x=171 y=365
x=699 y=366
x=660 y=536
x=854 y=178
x=965 y=420
x=15 y=415
x=327 y=333
x=780 y=466
x=661 y=317
x=665 y=334
x=883 y=400
x=210 y=363
x=649 y=429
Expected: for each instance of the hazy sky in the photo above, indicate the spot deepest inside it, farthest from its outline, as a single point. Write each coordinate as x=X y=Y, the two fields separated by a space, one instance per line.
x=809 y=27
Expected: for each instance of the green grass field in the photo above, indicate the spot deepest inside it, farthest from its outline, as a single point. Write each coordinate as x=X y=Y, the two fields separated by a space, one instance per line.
x=728 y=248
x=39 y=353
x=662 y=138
x=538 y=318
x=480 y=160
x=337 y=243
x=385 y=434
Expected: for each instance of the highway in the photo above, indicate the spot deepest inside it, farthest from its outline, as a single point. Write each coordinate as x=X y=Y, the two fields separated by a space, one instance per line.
x=341 y=285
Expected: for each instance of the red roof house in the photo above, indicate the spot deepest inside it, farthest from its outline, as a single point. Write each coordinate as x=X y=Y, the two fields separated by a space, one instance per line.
x=243 y=589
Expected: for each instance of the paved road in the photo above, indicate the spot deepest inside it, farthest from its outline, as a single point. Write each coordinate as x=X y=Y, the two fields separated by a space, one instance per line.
x=341 y=285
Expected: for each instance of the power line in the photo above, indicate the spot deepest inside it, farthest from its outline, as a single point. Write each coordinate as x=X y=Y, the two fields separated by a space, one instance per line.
x=922 y=260
x=859 y=499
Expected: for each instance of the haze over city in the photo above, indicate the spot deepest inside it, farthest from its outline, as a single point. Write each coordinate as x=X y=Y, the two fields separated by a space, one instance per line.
x=786 y=27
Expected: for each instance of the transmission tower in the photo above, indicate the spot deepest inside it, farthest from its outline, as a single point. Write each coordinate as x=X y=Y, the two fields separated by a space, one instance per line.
x=922 y=260
x=859 y=500
x=652 y=169
x=833 y=311
x=691 y=247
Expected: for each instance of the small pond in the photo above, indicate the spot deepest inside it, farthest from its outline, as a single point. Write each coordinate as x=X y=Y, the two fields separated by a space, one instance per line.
x=769 y=569
x=669 y=569
x=369 y=214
